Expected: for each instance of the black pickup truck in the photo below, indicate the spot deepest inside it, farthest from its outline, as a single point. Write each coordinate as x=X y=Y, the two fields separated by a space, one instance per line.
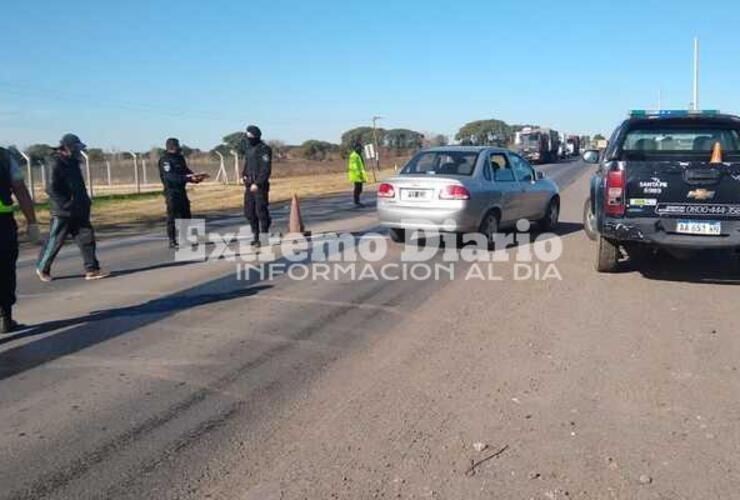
x=669 y=180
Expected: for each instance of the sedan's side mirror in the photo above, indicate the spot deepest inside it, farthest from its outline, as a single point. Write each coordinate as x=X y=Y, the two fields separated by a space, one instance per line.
x=539 y=175
x=591 y=156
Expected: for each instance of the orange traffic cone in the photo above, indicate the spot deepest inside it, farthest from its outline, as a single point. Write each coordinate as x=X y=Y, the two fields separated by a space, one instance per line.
x=716 y=153
x=295 y=224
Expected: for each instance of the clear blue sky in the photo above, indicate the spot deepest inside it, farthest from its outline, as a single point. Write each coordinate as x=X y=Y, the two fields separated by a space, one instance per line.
x=129 y=74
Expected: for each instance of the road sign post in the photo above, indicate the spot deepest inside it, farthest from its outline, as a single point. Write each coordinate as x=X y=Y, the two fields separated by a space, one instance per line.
x=371 y=154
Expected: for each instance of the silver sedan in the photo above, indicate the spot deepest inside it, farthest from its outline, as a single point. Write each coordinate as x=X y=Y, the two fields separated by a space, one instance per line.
x=464 y=190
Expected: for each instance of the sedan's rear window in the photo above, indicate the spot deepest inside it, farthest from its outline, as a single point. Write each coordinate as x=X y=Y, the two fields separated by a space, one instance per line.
x=653 y=141
x=442 y=163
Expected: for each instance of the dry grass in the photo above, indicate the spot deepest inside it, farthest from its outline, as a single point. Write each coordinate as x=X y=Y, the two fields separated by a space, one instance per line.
x=137 y=212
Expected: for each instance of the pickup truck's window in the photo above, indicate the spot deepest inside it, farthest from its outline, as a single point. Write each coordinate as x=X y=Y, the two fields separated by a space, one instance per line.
x=442 y=163
x=658 y=141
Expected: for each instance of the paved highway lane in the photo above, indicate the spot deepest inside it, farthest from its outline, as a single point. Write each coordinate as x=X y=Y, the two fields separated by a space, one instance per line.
x=165 y=379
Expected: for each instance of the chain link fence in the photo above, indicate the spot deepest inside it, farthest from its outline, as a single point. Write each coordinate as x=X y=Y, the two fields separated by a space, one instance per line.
x=119 y=174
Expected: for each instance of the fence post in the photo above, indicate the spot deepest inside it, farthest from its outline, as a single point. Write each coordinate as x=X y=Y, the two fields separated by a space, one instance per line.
x=107 y=167
x=30 y=175
x=236 y=166
x=136 y=171
x=88 y=174
x=43 y=175
x=143 y=170
x=221 y=169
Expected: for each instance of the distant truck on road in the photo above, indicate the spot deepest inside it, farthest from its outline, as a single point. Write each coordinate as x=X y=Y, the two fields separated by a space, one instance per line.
x=538 y=145
x=573 y=145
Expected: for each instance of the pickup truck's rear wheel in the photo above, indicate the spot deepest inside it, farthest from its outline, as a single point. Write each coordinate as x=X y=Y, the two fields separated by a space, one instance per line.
x=607 y=260
x=589 y=221
x=397 y=235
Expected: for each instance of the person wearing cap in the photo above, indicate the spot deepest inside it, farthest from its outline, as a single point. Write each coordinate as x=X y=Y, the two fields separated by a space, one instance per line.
x=69 y=205
x=175 y=175
x=12 y=184
x=256 y=176
x=356 y=171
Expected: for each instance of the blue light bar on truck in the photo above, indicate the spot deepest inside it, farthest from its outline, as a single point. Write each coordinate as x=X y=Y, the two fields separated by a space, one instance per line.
x=667 y=113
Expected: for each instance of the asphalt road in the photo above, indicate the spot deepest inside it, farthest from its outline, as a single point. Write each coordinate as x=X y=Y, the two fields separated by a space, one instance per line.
x=176 y=380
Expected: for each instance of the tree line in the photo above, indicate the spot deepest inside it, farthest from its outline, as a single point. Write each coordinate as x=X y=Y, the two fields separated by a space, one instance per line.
x=399 y=141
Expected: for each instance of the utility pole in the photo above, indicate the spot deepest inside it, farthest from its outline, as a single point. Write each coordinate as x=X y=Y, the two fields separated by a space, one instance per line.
x=696 y=74
x=377 y=148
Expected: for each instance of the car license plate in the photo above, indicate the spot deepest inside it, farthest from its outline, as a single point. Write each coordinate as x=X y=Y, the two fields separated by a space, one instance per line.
x=416 y=194
x=699 y=228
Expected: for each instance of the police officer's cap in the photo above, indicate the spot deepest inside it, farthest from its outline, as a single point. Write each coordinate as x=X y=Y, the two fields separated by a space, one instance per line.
x=254 y=132
x=69 y=141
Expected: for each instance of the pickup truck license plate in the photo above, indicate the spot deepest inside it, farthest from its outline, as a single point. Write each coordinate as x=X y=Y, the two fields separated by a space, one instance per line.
x=699 y=228
x=416 y=194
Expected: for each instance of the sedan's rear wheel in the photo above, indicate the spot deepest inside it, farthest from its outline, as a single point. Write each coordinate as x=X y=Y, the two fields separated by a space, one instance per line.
x=489 y=227
x=397 y=235
x=552 y=215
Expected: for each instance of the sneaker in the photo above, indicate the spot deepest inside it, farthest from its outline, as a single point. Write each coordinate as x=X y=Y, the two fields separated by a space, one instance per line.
x=256 y=244
x=96 y=275
x=45 y=277
x=174 y=245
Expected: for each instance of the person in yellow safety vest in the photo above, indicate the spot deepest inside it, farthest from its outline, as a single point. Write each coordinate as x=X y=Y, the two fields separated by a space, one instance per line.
x=11 y=184
x=356 y=171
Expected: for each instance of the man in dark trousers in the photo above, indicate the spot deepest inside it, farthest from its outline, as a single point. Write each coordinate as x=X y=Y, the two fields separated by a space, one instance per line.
x=256 y=175
x=70 y=211
x=175 y=175
x=11 y=184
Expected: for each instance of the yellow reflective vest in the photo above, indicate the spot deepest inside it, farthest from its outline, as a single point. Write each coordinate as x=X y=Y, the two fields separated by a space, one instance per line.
x=356 y=168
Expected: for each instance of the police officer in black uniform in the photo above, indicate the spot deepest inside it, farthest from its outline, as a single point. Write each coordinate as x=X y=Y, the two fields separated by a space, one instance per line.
x=70 y=206
x=11 y=183
x=256 y=175
x=175 y=175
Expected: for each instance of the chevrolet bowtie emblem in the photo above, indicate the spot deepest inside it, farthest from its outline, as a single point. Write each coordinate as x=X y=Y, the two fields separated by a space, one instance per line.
x=700 y=194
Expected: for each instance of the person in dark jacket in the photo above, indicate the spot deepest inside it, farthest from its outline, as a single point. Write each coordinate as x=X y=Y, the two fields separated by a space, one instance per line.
x=256 y=176
x=175 y=175
x=12 y=184
x=70 y=211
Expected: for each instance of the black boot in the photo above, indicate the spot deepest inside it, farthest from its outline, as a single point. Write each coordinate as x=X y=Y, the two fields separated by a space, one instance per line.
x=7 y=324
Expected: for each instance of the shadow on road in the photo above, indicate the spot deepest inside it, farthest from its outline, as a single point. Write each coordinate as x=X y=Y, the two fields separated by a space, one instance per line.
x=100 y=326
x=561 y=230
x=711 y=267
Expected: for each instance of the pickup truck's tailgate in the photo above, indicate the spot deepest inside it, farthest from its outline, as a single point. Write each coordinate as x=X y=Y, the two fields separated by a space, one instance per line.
x=682 y=189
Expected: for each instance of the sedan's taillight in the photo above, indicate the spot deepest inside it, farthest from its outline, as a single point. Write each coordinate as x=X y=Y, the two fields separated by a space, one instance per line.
x=386 y=190
x=614 y=192
x=454 y=192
